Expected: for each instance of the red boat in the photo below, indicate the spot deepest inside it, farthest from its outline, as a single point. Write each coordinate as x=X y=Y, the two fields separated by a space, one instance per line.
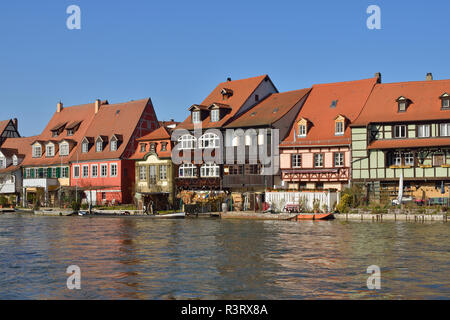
x=315 y=216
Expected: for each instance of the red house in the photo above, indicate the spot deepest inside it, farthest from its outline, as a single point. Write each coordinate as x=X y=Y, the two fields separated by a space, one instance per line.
x=101 y=165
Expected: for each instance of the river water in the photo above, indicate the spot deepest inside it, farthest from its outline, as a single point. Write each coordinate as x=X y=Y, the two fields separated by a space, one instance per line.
x=139 y=258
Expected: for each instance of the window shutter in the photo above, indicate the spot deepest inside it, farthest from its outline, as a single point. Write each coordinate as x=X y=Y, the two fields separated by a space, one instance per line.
x=32 y=173
x=58 y=172
x=49 y=172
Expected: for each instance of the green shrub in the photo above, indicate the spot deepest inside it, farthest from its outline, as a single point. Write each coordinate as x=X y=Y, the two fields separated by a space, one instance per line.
x=3 y=201
x=344 y=203
x=76 y=206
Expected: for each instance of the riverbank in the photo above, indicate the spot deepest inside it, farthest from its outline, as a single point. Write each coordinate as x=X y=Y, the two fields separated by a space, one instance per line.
x=392 y=217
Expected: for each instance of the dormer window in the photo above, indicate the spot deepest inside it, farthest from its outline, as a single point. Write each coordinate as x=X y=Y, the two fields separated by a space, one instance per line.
x=64 y=149
x=85 y=147
x=226 y=93
x=55 y=134
x=215 y=115
x=152 y=147
x=164 y=146
x=37 y=151
x=113 y=145
x=339 y=125
x=70 y=132
x=99 y=146
x=143 y=147
x=445 y=99
x=403 y=104
x=50 y=150
x=15 y=160
x=302 y=128
x=196 y=117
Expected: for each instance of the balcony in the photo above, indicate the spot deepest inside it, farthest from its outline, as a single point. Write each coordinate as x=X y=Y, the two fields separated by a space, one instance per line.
x=40 y=183
x=249 y=180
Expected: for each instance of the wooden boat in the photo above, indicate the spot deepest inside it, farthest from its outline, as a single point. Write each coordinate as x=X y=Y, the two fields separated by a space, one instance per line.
x=315 y=216
x=178 y=215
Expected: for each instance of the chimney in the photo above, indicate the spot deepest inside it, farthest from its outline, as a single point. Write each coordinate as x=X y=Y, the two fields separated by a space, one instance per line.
x=228 y=79
x=59 y=107
x=97 y=105
x=378 y=76
x=16 y=123
x=429 y=76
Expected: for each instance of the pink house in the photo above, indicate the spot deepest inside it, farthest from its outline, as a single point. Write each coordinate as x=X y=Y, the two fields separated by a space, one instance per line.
x=316 y=154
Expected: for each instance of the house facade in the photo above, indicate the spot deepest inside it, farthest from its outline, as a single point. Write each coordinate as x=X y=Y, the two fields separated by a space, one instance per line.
x=102 y=166
x=8 y=129
x=404 y=130
x=155 y=171
x=200 y=136
x=316 y=155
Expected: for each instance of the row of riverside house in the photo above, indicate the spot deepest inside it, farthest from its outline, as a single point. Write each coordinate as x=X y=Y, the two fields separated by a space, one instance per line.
x=326 y=137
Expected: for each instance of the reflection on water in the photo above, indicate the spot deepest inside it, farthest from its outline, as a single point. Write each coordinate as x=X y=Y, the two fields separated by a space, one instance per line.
x=138 y=258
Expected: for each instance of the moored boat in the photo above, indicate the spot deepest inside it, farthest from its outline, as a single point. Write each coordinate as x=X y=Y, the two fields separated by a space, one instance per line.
x=315 y=216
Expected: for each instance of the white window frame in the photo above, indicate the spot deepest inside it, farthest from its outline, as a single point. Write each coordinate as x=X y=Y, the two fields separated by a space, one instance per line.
x=296 y=160
x=320 y=157
x=209 y=141
x=403 y=130
x=190 y=168
x=423 y=131
x=15 y=160
x=50 y=150
x=92 y=171
x=446 y=103
x=339 y=159
x=215 y=115
x=188 y=142
x=302 y=131
x=111 y=170
x=113 y=145
x=163 y=169
x=446 y=131
x=409 y=159
x=2 y=163
x=103 y=165
x=397 y=159
x=99 y=146
x=35 y=149
x=210 y=170
x=64 y=149
x=143 y=173
x=83 y=174
x=196 y=118
x=85 y=147
x=63 y=172
x=339 y=128
x=75 y=175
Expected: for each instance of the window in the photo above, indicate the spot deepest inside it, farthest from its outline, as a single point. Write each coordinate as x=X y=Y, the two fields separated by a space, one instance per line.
x=164 y=146
x=37 y=151
x=423 y=131
x=209 y=140
x=445 y=103
x=113 y=168
x=64 y=149
x=296 y=161
x=187 y=170
x=302 y=130
x=143 y=173
x=318 y=160
x=50 y=150
x=15 y=160
x=153 y=147
x=256 y=97
x=143 y=147
x=236 y=170
x=210 y=170
x=163 y=172
x=113 y=145
x=99 y=146
x=339 y=159
x=402 y=104
x=409 y=159
x=215 y=114
x=196 y=117
x=397 y=159
x=187 y=142
x=27 y=173
x=94 y=171
x=444 y=130
x=103 y=170
x=339 y=129
x=76 y=172
x=2 y=162
x=69 y=132
x=65 y=172
x=85 y=173
x=55 y=134
x=85 y=147
x=252 y=169
x=152 y=174
x=400 y=131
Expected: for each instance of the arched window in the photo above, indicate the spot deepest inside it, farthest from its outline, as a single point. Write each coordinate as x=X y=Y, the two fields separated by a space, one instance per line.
x=187 y=142
x=187 y=170
x=209 y=140
x=210 y=171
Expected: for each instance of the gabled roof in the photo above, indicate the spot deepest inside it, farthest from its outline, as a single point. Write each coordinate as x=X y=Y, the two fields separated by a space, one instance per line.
x=159 y=134
x=113 y=119
x=23 y=148
x=382 y=106
x=321 y=112
x=3 y=125
x=270 y=109
x=242 y=91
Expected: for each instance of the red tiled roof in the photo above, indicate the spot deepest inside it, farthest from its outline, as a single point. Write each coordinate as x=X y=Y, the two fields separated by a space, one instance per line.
x=269 y=110
x=242 y=90
x=425 y=104
x=82 y=113
x=22 y=147
x=113 y=119
x=409 y=143
x=3 y=125
x=350 y=97
x=159 y=134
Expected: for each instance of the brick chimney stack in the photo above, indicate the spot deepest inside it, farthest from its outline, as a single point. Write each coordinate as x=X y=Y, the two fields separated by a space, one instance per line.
x=59 y=107
x=97 y=105
x=378 y=76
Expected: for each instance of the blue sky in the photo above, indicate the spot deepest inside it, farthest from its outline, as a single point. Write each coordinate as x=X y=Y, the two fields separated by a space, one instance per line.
x=176 y=52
